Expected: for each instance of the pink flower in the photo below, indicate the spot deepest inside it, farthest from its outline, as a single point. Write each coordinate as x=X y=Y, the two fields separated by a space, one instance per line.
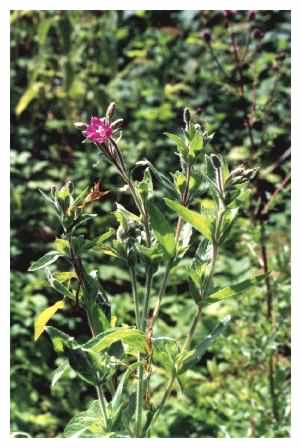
x=98 y=130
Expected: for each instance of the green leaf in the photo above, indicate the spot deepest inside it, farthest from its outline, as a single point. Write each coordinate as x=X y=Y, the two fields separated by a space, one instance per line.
x=238 y=288
x=177 y=140
x=200 y=222
x=29 y=94
x=117 y=399
x=164 y=232
x=62 y=246
x=134 y=338
x=59 y=339
x=187 y=360
x=90 y=366
x=59 y=287
x=197 y=144
x=165 y=351
x=161 y=177
x=64 y=276
x=45 y=260
x=42 y=319
x=59 y=372
x=88 y=423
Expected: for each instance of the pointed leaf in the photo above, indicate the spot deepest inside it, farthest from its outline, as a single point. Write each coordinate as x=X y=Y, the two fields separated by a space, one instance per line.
x=164 y=232
x=187 y=360
x=131 y=336
x=44 y=317
x=59 y=372
x=200 y=222
x=45 y=260
x=238 y=288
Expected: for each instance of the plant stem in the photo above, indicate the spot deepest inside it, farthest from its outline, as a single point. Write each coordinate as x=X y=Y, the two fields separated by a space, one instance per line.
x=161 y=294
x=135 y=297
x=102 y=404
x=139 y=399
x=148 y=285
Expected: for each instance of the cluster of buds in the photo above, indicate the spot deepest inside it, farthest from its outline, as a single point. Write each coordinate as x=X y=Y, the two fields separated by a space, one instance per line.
x=240 y=175
x=105 y=135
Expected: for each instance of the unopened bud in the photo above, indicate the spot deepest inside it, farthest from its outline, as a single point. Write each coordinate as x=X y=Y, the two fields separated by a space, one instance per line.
x=258 y=34
x=251 y=15
x=229 y=14
x=216 y=163
x=53 y=191
x=80 y=124
x=206 y=35
x=70 y=186
x=281 y=56
x=110 y=110
x=186 y=116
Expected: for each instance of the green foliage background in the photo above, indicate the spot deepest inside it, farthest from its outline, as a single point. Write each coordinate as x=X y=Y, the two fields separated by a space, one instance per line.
x=67 y=66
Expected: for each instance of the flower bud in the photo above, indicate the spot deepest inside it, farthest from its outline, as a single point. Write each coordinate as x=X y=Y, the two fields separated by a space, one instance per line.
x=110 y=110
x=53 y=191
x=206 y=35
x=258 y=34
x=70 y=186
x=229 y=14
x=251 y=15
x=186 y=116
x=80 y=125
x=216 y=163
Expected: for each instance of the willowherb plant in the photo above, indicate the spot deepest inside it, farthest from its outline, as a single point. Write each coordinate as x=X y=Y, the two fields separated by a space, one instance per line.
x=121 y=360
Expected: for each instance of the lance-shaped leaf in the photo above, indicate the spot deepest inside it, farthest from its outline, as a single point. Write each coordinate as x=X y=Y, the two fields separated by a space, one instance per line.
x=88 y=423
x=186 y=360
x=234 y=290
x=201 y=223
x=59 y=287
x=89 y=365
x=134 y=338
x=163 y=231
x=45 y=260
x=59 y=373
x=59 y=339
x=44 y=317
x=117 y=399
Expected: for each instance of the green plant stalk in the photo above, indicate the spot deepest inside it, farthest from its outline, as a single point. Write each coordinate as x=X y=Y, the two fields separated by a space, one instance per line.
x=197 y=317
x=102 y=405
x=135 y=296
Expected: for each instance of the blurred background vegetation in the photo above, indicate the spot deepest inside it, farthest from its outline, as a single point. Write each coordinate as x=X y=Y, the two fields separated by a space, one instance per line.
x=233 y=71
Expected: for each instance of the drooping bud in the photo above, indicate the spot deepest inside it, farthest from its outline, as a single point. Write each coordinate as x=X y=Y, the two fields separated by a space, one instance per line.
x=110 y=110
x=251 y=15
x=70 y=186
x=186 y=116
x=258 y=34
x=206 y=35
x=229 y=14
